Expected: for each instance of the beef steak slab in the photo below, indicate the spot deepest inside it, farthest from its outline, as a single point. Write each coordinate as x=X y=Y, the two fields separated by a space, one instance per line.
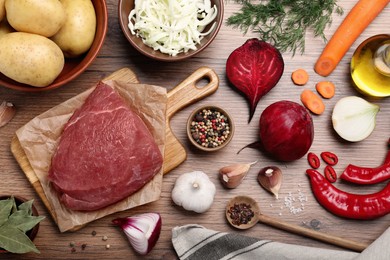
x=105 y=153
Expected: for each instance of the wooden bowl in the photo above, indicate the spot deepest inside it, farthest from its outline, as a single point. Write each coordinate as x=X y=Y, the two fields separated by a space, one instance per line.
x=124 y=8
x=193 y=135
x=73 y=67
x=32 y=233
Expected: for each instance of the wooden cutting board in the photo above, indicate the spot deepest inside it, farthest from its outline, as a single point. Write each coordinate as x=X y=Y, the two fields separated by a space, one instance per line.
x=181 y=96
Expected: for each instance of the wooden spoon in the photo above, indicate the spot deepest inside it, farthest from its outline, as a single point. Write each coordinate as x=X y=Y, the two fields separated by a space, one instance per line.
x=259 y=217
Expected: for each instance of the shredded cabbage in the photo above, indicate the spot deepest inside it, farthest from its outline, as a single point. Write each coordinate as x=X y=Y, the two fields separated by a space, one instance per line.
x=172 y=26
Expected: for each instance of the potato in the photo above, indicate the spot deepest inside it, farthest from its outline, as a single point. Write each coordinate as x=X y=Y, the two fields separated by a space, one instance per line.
x=2 y=10
x=43 y=17
x=77 y=34
x=30 y=58
x=5 y=28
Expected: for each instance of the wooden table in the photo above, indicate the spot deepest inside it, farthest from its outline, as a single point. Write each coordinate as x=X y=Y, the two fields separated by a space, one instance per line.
x=117 y=53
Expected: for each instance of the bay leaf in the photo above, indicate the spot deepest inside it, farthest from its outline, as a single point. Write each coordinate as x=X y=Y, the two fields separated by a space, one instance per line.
x=15 y=241
x=26 y=206
x=5 y=210
x=23 y=221
x=14 y=206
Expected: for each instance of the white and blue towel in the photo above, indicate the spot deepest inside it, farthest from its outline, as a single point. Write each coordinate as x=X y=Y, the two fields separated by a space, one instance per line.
x=194 y=242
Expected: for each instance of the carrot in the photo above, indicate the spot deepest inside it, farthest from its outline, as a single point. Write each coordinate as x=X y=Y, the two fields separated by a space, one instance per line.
x=300 y=77
x=360 y=16
x=326 y=89
x=312 y=101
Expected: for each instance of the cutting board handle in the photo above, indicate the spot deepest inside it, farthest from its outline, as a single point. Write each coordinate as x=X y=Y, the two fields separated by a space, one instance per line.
x=188 y=92
x=184 y=94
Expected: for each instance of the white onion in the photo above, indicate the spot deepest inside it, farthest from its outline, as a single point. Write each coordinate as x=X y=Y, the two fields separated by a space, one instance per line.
x=354 y=118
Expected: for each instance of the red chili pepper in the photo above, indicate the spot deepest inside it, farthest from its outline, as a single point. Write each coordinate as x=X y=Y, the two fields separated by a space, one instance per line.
x=349 y=205
x=330 y=174
x=313 y=160
x=330 y=158
x=367 y=175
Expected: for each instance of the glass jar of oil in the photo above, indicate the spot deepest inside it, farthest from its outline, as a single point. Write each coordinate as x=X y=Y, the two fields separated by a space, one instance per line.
x=370 y=66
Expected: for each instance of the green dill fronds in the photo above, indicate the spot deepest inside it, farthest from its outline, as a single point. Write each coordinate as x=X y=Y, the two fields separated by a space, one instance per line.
x=284 y=23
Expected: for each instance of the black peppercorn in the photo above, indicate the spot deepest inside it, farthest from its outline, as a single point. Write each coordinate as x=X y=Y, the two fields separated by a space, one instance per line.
x=240 y=214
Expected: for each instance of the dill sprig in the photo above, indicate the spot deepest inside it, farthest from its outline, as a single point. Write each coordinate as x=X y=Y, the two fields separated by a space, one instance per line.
x=284 y=23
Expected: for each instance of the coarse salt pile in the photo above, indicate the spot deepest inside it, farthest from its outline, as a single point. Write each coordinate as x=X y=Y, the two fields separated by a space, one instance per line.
x=290 y=200
x=294 y=203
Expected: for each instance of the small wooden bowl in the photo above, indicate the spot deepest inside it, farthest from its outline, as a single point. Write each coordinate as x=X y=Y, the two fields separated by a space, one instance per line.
x=124 y=8
x=73 y=67
x=32 y=233
x=212 y=108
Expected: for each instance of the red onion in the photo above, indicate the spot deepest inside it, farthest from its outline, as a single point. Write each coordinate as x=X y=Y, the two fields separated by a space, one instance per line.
x=142 y=230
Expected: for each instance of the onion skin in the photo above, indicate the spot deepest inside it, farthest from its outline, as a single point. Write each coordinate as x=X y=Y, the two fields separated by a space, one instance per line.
x=286 y=130
x=142 y=230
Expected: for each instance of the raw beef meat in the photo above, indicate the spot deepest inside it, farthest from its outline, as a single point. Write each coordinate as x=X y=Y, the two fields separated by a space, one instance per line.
x=105 y=153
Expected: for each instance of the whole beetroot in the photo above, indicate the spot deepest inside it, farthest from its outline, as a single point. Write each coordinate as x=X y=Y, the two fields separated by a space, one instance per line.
x=286 y=130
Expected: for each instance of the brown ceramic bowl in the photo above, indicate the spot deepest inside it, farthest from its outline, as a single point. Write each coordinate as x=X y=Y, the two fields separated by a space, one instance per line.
x=19 y=200
x=194 y=137
x=73 y=67
x=124 y=8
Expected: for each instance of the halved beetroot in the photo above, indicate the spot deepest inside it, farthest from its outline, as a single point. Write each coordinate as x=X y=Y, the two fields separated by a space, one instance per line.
x=254 y=69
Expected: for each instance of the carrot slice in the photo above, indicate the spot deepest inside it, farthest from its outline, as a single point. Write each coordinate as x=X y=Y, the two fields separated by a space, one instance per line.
x=300 y=77
x=326 y=89
x=312 y=102
x=360 y=16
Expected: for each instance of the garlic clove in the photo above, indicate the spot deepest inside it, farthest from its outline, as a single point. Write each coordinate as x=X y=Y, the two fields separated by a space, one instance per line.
x=7 y=112
x=232 y=175
x=354 y=118
x=270 y=178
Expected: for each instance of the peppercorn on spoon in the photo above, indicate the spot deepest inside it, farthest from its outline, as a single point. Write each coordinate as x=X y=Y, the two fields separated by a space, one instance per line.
x=234 y=219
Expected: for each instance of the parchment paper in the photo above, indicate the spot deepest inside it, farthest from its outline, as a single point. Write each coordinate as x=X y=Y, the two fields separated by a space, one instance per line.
x=39 y=139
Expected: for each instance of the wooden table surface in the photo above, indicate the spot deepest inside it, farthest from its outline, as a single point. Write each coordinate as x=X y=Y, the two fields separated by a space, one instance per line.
x=116 y=54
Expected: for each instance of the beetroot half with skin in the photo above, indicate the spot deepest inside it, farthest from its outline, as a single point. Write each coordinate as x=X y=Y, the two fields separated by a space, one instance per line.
x=286 y=130
x=254 y=69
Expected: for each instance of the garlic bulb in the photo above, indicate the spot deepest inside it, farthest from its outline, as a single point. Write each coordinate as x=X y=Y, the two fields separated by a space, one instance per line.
x=194 y=191
x=354 y=118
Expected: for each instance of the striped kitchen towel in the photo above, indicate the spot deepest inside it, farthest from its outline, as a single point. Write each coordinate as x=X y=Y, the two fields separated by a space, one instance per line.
x=196 y=242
